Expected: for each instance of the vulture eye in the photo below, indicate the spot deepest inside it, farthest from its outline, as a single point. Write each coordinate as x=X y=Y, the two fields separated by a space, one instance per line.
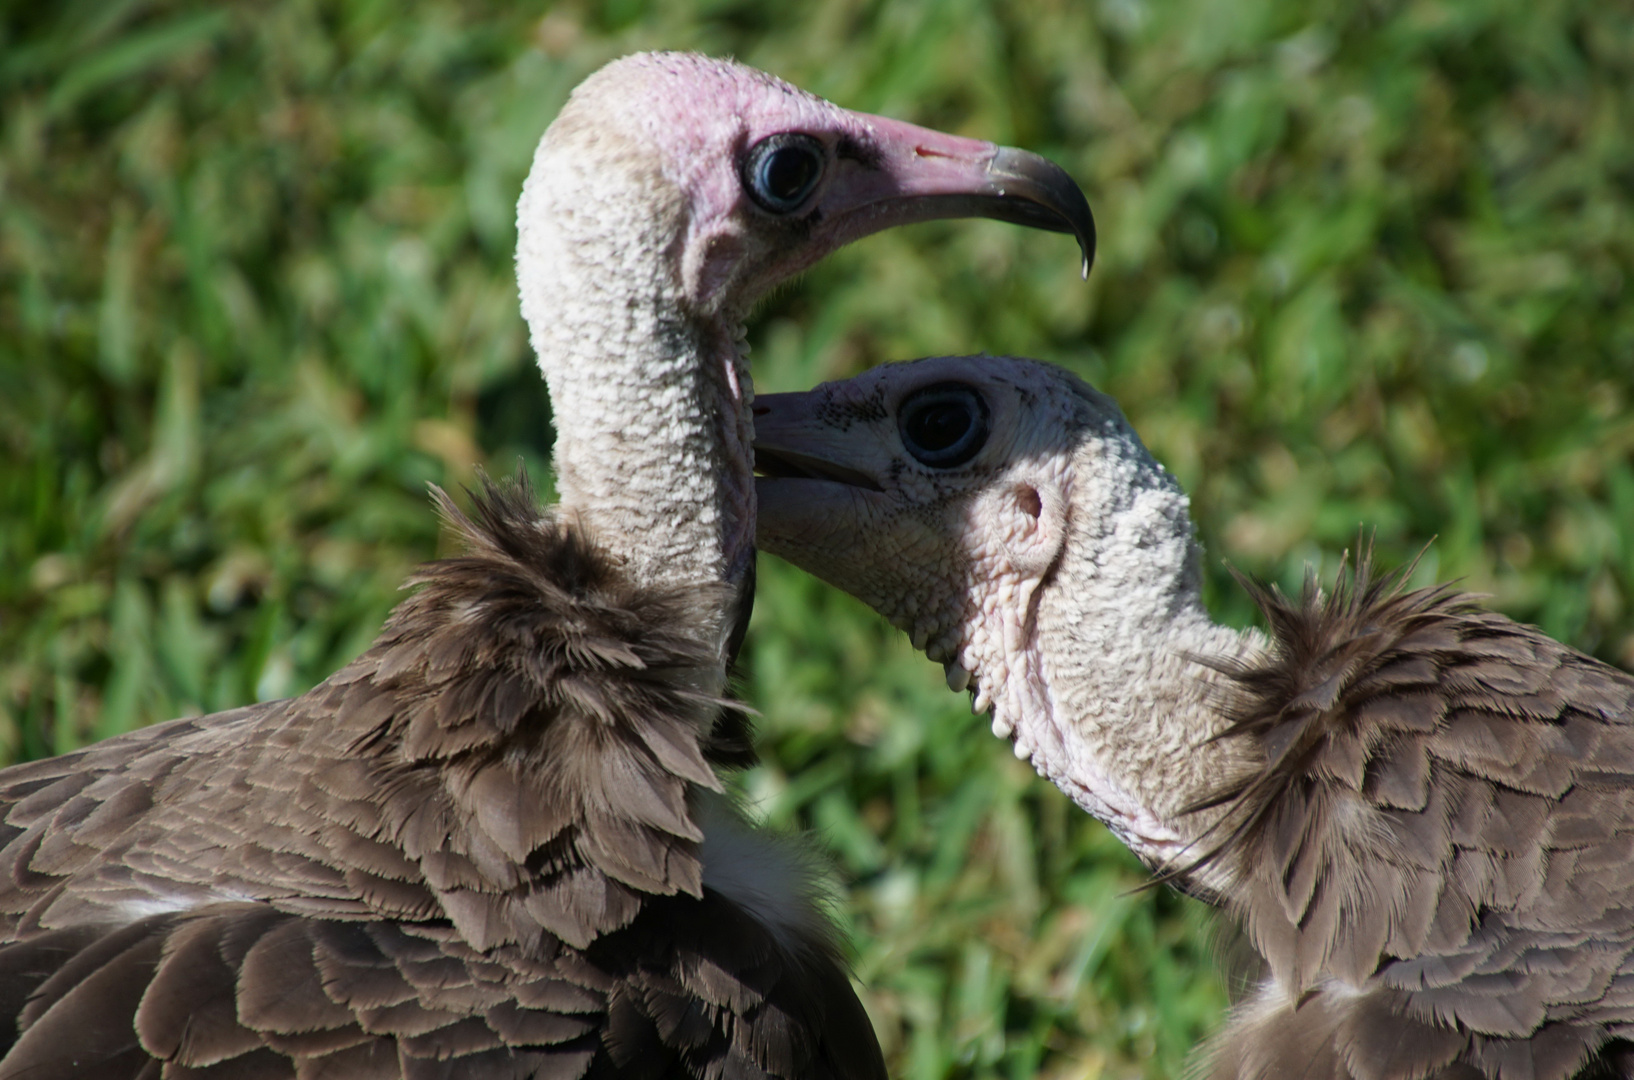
x=781 y=171
x=944 y=425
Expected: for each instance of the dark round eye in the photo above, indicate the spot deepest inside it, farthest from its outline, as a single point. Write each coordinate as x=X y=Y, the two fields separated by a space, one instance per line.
x=944 y=425
x=781 y=171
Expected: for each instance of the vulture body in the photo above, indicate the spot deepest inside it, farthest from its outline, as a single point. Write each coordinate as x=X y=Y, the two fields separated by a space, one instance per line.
x=477 y=850
x=490 y=846
x=1419 y=811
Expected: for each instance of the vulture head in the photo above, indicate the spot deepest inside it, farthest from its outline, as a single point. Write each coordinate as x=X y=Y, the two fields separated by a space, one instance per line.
x=1419 y=810
x=749 y=180
x=671 y=193
x=1004 y=514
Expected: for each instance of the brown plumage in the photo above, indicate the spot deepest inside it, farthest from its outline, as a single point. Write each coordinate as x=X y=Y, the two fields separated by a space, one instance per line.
x=1443 y=816
x=493 y=846
x=1419 y=811
x=470 y=851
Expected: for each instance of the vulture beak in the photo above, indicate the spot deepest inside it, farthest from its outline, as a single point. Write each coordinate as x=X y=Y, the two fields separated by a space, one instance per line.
x=914 y=174
x=792 y=444
x=813 y=478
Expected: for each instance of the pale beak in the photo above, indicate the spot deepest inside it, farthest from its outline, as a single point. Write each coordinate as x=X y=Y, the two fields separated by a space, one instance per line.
x=811 y=477
x=792 y=443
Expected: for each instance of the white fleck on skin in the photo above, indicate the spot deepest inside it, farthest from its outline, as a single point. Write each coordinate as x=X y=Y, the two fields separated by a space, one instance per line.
x=1054 y=572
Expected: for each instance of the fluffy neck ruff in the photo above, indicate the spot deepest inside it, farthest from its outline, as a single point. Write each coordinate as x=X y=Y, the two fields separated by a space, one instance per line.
x=634 y=373
x=1088 y=664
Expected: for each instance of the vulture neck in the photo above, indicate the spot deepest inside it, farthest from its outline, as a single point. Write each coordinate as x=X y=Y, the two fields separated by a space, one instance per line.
x=1113 y=708
x=650 y=398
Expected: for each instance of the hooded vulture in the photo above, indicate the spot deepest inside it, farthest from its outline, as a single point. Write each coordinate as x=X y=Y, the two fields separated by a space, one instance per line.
x=489 y=846
x=1420 y=812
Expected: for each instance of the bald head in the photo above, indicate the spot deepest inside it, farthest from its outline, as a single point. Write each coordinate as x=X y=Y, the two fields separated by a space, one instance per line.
x=1008 y=518
x=760 y=179
x=671 y=193
x=928 y=488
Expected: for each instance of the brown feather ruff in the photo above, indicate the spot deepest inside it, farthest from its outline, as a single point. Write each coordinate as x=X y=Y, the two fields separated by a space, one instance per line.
x=471 y=852
x=1436 y=857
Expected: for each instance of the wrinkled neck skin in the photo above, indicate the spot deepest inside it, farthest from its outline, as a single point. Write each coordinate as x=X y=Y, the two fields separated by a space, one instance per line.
x=1099 y=693
x=650 y=399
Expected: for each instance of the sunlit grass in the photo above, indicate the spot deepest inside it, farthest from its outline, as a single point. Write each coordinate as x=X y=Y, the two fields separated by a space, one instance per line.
x=1362 y=263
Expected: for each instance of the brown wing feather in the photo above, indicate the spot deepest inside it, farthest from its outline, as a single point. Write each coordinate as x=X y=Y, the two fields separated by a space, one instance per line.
x=470 y=852
x=1437 y=846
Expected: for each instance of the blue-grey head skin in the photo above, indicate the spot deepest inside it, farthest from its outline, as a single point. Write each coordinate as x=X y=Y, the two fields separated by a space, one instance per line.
x=984 y=558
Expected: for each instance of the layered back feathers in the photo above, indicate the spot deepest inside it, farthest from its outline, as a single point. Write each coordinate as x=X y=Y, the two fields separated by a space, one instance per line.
x=475 y=848
x=1440 y=840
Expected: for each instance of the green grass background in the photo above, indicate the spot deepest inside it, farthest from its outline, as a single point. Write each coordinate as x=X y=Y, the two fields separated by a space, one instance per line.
x=1361 y=262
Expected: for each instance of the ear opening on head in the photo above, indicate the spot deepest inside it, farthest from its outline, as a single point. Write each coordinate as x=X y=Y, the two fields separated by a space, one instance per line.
x=1037 y=527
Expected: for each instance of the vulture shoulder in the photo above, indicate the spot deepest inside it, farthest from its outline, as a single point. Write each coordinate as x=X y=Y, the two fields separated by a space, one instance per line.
x=1437 y=853
x=474 y=851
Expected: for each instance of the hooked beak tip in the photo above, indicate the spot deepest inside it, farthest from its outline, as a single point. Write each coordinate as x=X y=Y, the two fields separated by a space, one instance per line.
x=916 y=174
x=1030 y=189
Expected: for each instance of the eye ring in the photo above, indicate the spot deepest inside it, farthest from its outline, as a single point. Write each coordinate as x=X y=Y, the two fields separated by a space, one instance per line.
x=943 y=425
x=781 y=171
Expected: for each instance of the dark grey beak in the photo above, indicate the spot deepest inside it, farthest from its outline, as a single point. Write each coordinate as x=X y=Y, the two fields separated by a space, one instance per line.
x=1026 y=189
